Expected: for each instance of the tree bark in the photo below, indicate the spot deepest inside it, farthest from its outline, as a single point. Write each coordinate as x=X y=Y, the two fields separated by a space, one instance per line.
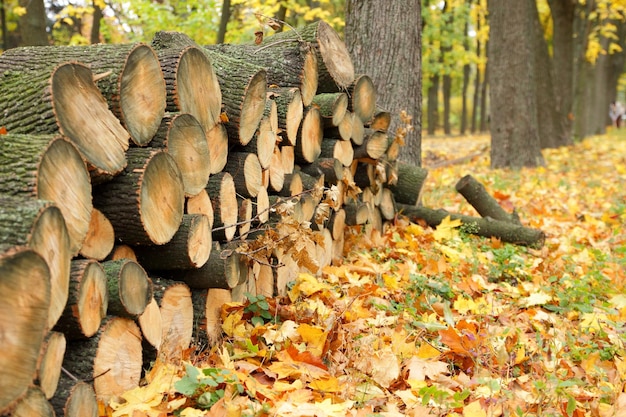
x=24 y=318
x=408 y=188
x=145 y=203
x=476 y=194
x=514 y=136
x=88 y=300
x=129 y=77
x=222 y=270
x=65 y=101
x=385 y=42
x=129 y=288
x=45 y=167
x=32 y=25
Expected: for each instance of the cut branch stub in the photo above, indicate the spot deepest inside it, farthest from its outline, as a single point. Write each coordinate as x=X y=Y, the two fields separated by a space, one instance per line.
x=244 y=88
x=50 y=169
x=287 y=64
x=129 y=288
x=133 y=86
x=66 y=101
x=335 y=68
x=25 y=285
x=145 y=203
x=87 y=302
x=185 y=140
x=40 y=225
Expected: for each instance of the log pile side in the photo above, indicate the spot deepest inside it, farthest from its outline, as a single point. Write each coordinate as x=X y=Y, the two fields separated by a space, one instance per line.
x=143 y=186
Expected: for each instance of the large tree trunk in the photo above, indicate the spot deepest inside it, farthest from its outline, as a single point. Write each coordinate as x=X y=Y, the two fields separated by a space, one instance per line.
x=391 y=56
x=514 y=135
x=432 y=105
x=32 y=25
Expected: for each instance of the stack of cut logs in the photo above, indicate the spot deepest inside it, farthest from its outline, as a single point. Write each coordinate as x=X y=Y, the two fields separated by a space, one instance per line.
x=143 y=186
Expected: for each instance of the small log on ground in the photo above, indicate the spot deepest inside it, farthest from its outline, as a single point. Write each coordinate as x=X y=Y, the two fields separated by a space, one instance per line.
x=132 y=81
x=145 y=204
x=66 y=102
x=189 y=248
x=505 y=231
x=48 y=168
x=25 y=286
x=151 y=324
x=176 y=309
x=100 y=238
x=487 y=206
x=39 y=225
x=246 y=172
x=363 y=94
x=129 y=288
x=309 y=143
x=33 y=404
x=221 y=190
x=112 y=358
x=410 y=180
x=222 y=270
x=87 y=302
x=74 y=399
x=49 y=371
x=332 y=107
x=287 y=64
x=290 y=111
x=335 y=68
x=185 y=140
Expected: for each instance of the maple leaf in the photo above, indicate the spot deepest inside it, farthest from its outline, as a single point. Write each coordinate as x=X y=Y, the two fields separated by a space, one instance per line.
x=447 y=229
x=420 y=369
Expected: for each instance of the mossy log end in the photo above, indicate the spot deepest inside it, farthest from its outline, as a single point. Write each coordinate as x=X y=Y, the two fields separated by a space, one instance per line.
x=145 y=203
x=48 y=168
x=505 y=231
x=487 y=206
x=67 y=102
x=25 y=286
x=129 y=77
x=128 y=286
x=87 y=302
x=40 y=225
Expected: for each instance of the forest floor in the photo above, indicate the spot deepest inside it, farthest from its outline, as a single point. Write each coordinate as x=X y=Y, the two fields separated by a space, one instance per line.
x=438 y=322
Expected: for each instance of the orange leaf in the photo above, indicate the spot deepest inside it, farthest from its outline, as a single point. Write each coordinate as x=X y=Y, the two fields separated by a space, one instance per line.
x=3 y=130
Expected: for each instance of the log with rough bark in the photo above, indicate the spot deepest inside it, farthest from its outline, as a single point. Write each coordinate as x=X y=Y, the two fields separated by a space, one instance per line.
x=33 y=404
x=505 y=231
x=222 y=270
x=49 y=369
x=330 y=168
x=332 y=107
x=246 y=172
x=287 y=64
x=176 y=307
x=189 y=247
x=183 y=137
x=221 y=190
x=48 y=168
x=68 y=102
x=487 y=206
x=290 y=109
x=363 y=98
x=97 y=359
x=309 y=143
x=100 y=238
x=356 y=213
x=408 y=186
x=145 y=203
x=293 y=185
x=129 y=77
x=74 y=399
x=374 y=146
x=128 y=286
x=335 y=68
x=341 y=150
x=39 y=225
x=87 y=302
x=25 y=286
x=344 y=130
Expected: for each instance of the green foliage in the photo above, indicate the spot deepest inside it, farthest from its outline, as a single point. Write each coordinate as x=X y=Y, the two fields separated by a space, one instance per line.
x=206 y=385
x=259 y=308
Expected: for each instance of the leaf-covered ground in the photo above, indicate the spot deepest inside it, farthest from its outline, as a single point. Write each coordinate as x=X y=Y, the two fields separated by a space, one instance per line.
x=422 y=322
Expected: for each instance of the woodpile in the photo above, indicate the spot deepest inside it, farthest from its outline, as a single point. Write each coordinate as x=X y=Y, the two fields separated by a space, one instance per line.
x=143 y=186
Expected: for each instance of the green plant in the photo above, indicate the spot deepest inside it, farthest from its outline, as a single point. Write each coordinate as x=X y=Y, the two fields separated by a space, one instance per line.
x=206 y=385
x=259 y=308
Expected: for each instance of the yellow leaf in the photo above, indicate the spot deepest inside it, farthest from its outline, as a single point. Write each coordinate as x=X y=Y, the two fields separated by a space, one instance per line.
x=192 y=412
x=426 y=351
x=19 y=10
x=233 y=326
x=314 y=337
x=446 y=229
x=328 y=384
x=474 y=409
x=536 y=299
x=306 y=285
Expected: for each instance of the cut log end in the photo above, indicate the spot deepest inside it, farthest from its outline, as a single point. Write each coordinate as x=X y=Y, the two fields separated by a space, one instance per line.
x=142 y=95
x=129 y=288
x=23 y=320
x=93 y=298
x=75 y=99
x=151 y=324
x=335 y=55
x=100 y=237
x=50 y=364
x=217 y=140
x=310 y=141
x=309 y=84
x=252 y=107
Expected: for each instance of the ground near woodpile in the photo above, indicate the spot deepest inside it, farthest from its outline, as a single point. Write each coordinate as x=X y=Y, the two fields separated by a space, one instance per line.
x=423 y=322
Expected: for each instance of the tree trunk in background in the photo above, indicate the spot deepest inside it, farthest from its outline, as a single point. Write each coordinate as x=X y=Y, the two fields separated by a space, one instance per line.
x=583 y=70
x=478 y=82
x=466 y=81
x=514 y=135
x=446 y=87
x=225 y=17
x=433 y=105
x=484 y=116
x=391 y=56
x=33 y=24
x=563 y=59
x=551 y=128
x=94 y=36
